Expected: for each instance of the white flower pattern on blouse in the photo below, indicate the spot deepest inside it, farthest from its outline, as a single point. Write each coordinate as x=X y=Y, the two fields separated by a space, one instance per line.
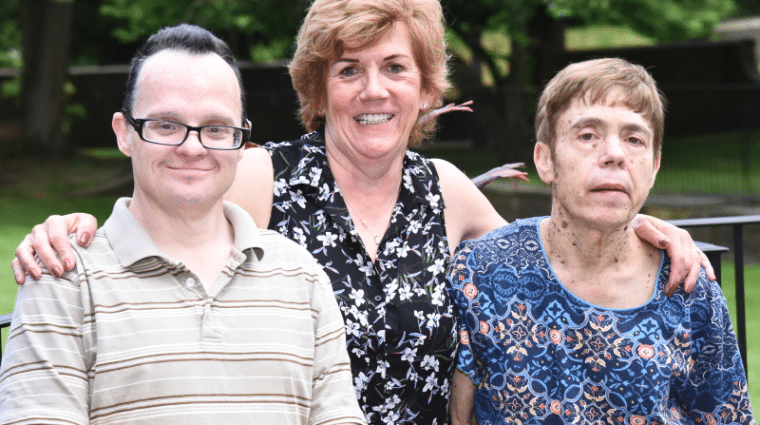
x=400 y=321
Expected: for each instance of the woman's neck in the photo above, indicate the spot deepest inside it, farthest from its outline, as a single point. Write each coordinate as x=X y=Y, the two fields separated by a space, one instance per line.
x=584 y=247
x=370 y=190
x=366 y=180
x=611 y=268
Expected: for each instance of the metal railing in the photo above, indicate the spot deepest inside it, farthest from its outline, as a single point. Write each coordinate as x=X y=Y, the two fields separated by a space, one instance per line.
x=5 y=322
x=737 y=224
x=713 y=252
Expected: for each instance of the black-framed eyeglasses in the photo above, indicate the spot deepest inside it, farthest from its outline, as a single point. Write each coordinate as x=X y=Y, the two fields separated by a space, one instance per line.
x=172 y=133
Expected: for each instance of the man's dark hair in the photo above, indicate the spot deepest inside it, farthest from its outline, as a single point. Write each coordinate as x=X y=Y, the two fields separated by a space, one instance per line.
x=187 y=38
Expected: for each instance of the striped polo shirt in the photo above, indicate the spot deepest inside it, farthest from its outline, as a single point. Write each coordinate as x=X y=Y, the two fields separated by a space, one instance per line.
x=131 y=336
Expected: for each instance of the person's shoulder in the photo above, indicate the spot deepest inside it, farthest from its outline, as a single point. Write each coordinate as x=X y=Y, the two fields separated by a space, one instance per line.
x=444 y=169
x=99 y=244
x=705 y=286
x=521 y=228
x=294 y=158
x=705 y=290
x=517 y=227
x=255 y=165
x=284 y=257
x=279 y=248
x=275 y=147
x=85 y=258
x=283 y=147
x=273 y=238
x=414 y=157
x=421 y=170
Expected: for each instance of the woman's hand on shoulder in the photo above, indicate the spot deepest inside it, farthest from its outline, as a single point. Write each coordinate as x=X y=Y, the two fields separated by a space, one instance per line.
x=685 y=257
x=253 y=186
x=50 y=242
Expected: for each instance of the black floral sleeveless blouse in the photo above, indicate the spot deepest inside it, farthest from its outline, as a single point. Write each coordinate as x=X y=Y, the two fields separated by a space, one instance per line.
x=400 y=322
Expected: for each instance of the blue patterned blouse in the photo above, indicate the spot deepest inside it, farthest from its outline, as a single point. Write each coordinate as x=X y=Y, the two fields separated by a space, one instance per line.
x=539 y=354
x=400 y=321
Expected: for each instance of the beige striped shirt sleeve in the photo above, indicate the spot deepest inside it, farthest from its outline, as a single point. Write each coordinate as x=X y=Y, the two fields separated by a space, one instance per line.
x=44 y=376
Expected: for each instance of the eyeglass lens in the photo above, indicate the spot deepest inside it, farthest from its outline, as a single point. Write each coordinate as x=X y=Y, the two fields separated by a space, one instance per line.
x=172 y=133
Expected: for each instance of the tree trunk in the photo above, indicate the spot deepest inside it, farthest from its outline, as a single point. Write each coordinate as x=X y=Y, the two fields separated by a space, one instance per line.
x=46 y=38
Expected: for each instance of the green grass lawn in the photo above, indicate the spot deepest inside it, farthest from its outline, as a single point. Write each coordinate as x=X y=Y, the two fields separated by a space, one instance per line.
x=752 y=316
x=603 y=36
x=17 y=216
x=30 y=191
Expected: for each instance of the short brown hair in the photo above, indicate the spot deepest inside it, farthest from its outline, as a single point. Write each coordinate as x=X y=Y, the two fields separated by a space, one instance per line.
x=184 y=38
x=333 y=26
x=593 y=80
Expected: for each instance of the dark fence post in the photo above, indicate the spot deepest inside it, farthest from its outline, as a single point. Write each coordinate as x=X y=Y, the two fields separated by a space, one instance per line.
x=5 y=322
x=737 y=224
x=741 y=325
x=713 y=253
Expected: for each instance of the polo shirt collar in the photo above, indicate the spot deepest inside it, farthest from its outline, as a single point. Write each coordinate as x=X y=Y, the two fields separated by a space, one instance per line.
x=131 y=243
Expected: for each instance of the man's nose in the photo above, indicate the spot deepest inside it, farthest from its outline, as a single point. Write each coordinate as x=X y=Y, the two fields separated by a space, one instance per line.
x=192 y=145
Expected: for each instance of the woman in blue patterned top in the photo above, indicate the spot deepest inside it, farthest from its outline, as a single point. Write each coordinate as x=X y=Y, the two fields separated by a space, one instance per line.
x=380 y=218
x=564 y=319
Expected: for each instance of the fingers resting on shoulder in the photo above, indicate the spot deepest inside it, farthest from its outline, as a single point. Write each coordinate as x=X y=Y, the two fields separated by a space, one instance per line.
x=685 y=257
x=49 y=241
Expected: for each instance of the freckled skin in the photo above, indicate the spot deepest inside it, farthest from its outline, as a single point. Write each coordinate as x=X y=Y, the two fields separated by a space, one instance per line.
x=600 y=166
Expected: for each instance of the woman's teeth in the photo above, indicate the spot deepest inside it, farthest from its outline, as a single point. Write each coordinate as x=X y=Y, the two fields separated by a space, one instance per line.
x=366 y=119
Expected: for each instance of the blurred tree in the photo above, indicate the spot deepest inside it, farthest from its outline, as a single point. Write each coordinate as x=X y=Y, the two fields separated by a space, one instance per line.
x=108 y=31
x=534 y=32
x=535 y=27
x=37 y=35
x=747 y=8
x=10 y=35
x=45 y=37
x=261 y=30
x=93 y=41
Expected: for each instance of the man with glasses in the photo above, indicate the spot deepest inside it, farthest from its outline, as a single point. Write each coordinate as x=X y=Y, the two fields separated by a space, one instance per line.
x=181 y=311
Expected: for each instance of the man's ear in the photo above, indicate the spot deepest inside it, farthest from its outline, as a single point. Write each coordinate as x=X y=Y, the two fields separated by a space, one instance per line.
x=542 y=158
x=247 y=124
x=121 y=130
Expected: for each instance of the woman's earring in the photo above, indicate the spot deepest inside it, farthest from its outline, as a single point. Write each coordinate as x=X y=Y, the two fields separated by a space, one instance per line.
x=425 y=105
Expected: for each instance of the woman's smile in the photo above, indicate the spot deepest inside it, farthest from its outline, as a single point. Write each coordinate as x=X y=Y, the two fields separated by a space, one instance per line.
x=369 y=119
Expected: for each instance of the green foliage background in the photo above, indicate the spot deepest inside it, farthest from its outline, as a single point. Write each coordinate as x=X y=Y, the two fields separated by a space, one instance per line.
x=107 y=31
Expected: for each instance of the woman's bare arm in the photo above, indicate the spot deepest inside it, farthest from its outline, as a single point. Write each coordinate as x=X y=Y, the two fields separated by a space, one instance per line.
x=253 y=185
x=462 y=400
x=468 y=213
